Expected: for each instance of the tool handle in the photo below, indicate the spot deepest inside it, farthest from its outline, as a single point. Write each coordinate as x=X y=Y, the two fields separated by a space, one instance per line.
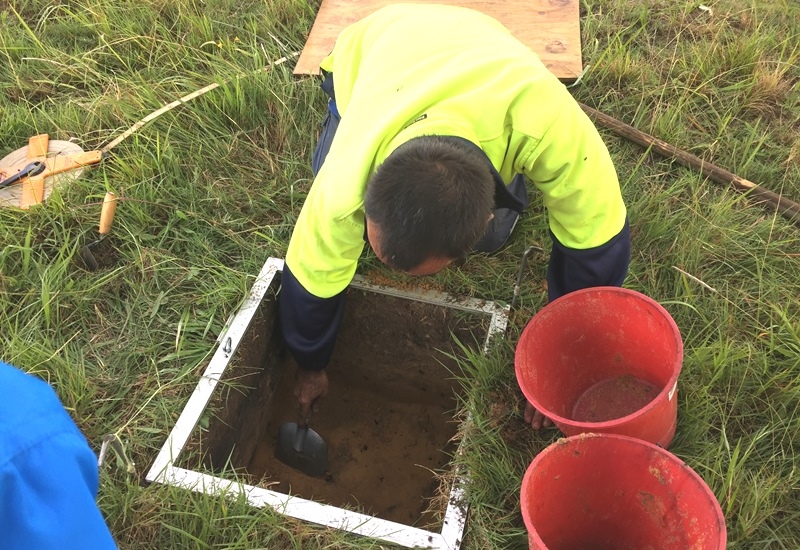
x=300 y=438
x=38 y=146
x=32 y=191
x=107 y=212
x=788 y=208
x=302 y=420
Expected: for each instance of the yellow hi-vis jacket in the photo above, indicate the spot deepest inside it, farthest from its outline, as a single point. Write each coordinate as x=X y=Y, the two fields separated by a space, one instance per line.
x=410 y=70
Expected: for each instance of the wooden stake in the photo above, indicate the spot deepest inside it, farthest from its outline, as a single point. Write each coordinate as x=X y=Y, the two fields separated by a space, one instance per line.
x=197 y=93
x=787 y=208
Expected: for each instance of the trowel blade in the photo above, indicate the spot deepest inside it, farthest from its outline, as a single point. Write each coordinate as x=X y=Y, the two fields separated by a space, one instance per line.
x=89 y=261
x=302 y=448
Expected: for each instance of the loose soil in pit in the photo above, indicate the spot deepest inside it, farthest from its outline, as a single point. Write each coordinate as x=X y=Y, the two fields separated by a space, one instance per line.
x=388 y=418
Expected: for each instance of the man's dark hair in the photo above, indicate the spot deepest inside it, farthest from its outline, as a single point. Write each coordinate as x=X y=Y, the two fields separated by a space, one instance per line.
x=431 y=197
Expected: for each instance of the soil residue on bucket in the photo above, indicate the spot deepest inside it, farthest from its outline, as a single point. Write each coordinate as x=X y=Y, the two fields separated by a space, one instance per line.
x=613 y=398
x=388 y=418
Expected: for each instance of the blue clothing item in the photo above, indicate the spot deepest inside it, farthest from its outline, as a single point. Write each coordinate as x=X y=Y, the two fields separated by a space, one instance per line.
x=309 y=324
x=48 y=473
x=606 y=265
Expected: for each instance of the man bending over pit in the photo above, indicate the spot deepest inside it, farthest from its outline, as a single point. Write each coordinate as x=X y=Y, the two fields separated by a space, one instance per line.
x=436 y=119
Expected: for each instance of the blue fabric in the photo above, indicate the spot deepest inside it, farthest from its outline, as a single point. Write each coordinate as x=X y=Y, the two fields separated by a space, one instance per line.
x=570 y=269
x=309 y=324
x=509 y=201
x=48 y=473
x=329 y=126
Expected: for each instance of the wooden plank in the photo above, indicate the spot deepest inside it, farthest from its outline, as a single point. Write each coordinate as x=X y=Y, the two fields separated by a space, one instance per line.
x=551 y=28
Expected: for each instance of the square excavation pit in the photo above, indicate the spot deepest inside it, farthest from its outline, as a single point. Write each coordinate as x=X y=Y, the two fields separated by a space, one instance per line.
x=387 y=421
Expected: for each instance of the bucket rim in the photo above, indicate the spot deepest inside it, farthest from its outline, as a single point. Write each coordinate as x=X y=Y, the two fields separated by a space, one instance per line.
x=563 y=441
x=670 y=387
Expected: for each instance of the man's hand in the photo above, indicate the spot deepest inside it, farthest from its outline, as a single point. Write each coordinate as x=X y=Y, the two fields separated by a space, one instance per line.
x=536 y=419
x=309 y=387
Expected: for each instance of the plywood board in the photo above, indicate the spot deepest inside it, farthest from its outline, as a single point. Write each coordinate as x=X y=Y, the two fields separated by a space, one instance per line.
x=551 y=28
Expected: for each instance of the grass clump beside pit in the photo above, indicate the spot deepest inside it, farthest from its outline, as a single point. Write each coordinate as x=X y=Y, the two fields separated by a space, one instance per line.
x=211 y=189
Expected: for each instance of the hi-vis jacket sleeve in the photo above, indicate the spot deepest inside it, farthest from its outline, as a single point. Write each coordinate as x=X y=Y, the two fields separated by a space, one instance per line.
x=572 y=168
x=309 y=323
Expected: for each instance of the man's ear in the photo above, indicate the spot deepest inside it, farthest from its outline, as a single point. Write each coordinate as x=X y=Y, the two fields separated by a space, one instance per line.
x=374 y=236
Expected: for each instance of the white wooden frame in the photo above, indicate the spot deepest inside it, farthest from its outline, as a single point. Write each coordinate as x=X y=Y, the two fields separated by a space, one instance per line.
x=164 y=470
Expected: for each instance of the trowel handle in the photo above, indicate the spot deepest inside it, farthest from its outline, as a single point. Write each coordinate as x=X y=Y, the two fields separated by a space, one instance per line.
x=302 y=420
x=300 y=437
x=107 y=212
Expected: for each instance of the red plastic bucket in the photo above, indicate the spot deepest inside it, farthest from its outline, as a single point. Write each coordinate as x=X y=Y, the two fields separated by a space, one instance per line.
x=609 y=492
x=603 y=360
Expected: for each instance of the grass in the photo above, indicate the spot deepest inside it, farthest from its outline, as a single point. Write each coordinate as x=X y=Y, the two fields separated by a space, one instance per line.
x=211 y=189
